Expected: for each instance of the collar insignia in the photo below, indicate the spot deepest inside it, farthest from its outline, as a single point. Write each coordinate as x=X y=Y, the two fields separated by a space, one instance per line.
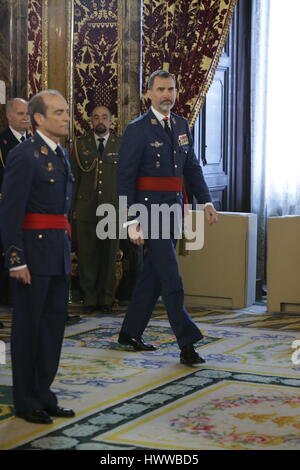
x=154 y=122
x=44 y=150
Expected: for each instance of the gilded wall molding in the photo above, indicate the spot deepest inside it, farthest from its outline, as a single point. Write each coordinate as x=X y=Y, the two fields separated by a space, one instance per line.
x=45 y=44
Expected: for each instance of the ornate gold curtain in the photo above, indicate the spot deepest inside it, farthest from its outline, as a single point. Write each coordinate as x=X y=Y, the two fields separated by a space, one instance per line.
x=185 y=37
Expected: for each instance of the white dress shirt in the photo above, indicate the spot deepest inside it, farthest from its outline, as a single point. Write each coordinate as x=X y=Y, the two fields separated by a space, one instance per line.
x=17 y=134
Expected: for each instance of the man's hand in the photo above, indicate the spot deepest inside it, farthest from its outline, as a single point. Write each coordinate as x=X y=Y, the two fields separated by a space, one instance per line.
x=22 y=275
x=135 y=234
x=211 y=214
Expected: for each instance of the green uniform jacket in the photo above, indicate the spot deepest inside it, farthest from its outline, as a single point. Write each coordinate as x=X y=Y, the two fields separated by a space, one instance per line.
x=95 y=184
x=99 y=185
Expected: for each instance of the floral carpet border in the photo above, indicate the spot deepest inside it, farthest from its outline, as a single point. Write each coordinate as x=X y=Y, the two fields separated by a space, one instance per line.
x=80 y=435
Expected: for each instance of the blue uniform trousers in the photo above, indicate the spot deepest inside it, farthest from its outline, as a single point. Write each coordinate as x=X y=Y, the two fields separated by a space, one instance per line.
x=39 y=316
x=160 y=276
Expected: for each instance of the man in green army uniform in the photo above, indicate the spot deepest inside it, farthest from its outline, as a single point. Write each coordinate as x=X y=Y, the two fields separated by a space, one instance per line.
x=95 y=170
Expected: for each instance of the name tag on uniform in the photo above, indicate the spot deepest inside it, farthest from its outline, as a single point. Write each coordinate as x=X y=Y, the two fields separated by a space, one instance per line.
x=183 y=139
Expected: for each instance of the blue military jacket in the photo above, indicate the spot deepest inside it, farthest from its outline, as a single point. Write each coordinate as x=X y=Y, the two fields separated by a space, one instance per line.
x=36 y=181
x=147 y=150
x=7 y=142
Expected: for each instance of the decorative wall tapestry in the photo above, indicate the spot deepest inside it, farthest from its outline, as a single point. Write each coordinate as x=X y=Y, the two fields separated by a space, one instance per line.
x=35 y=46
x=185 y=37
x=97 y=59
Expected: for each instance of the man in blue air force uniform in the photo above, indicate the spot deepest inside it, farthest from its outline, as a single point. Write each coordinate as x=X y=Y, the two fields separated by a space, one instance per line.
x=36 y=198
x=156 y=153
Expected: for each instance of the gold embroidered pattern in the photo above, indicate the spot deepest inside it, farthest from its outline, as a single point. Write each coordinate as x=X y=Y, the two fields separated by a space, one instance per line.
x=14 y=258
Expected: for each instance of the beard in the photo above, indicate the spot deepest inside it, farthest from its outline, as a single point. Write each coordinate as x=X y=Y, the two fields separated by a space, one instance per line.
x=100 y=129
x=166 y=105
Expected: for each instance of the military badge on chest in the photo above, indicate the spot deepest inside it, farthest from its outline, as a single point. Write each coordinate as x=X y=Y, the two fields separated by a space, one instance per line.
x=183 y=139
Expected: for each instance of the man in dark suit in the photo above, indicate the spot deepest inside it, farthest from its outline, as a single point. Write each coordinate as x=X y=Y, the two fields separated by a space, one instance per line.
x=95 y=169
x=36 y=198
x=16 y=132
x=156 y=153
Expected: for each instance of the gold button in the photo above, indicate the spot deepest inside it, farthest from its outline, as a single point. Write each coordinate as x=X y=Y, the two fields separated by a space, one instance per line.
x=40 y=236
x=99 y=192
x=146 y=199
x=174 y=151
x=52 y=180
x=67 y=198
x=100 y=171
x=100 y=182
x=177 y=194
x=66 y=232
x=176 y=166
x=101 y=161
x=158 y=154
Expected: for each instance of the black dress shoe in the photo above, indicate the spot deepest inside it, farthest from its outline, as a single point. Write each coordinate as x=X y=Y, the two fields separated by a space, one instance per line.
x=137 y=343
x=36 y=416
x=60 y=412
x=72 y=319
x=189 y=356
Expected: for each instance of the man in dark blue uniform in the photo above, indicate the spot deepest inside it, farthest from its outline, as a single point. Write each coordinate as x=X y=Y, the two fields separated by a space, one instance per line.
x=36 y=198
x=156 y=153
x=16 y=132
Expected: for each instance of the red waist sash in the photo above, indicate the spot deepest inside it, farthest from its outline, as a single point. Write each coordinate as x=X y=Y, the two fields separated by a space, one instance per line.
x=44 y=221
x=158 y=183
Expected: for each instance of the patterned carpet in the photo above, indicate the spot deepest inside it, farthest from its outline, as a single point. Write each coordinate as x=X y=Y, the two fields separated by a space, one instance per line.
x=245 y=397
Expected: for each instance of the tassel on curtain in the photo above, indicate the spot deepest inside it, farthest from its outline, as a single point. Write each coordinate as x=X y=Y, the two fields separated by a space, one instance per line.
x=185 y=37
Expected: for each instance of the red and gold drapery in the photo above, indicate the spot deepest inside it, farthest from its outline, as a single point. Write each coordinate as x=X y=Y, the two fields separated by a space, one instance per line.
x=185 y=37
x=35 y=46
x=97 y=59
x=96 y=63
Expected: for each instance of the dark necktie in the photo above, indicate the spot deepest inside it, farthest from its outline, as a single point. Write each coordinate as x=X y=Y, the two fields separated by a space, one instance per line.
x=59 y=152
x=167 y=127
x=22 y=138
x=101 y=145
